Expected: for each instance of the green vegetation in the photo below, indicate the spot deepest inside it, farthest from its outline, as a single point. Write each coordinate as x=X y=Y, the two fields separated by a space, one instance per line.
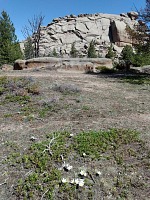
x=54 y=53
x=17 y=98
x=9 y=46
x=47 y=109
x=66 y=89
x=105 y=70
x=129 y=58
x=91 y=50
x=140 y=34
x=18 y=86
x=142 y=79
x=19 y=92
x=110 y=53
x=73 y=52
x=94 y=144
x=41 y=159
x=44 y=162
x=29 y=50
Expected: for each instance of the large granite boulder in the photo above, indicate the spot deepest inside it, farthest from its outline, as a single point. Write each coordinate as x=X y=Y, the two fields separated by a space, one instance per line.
x=19 y=65
x=81 y=64
x=6 y=67
x=104 y=29
x=145 y=69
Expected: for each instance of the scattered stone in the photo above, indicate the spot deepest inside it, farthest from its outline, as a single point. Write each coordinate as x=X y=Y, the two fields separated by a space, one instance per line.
x=133 y=15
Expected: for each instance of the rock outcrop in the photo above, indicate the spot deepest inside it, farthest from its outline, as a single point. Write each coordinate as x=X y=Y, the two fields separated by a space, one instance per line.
x=51 y=63
x=82 y=29
x=19 y=65
x=6 y=67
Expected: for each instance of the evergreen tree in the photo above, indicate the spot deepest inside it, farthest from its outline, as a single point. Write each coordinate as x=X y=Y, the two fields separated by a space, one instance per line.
x=127 y=55
x=110 y=53
x=73 y=52
x=54 y=53
x=91 y=50
x=140 y=35
x=9 y=46
x=29 y=50
x=145 y=13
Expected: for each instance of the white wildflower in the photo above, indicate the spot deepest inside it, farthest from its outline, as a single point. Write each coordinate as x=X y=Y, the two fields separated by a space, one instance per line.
x=71 y=134
x=81 y=183
x=33 y=138
x=72 y=181
x=67 y=166
x=98 y=173
x=64 y=180
x=76 y=181
x=83 y=172
x=84 y=154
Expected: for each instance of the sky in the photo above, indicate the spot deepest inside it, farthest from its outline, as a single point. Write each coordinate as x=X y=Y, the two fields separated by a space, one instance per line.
x=20 y=11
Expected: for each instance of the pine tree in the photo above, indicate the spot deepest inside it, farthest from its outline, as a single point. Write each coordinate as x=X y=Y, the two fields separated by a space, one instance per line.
x=73 y=52
x=140 y=35
x=127 y=55
x=110 y=53
x=54 y=53
x=9 y=46
x=91 y=50
x=29 y=50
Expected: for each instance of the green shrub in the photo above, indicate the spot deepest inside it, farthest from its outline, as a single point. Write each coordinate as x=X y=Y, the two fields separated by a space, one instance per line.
x=91 y=50
x=94 y=143
x=141 y=59
x=104 y=69
x=73 y=52
x=66 y=88
x=110 y=53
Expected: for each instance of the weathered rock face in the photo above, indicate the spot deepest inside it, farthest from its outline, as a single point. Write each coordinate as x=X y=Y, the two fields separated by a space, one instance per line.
x=82 y=29
x=81 y=64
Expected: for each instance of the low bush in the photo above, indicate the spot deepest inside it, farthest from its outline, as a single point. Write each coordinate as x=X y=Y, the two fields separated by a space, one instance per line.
x=104 y=69
x=66 y=88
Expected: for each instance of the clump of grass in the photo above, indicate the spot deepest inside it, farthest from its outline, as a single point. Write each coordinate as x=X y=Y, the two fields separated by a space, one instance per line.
x=2 y=90
x=3 y=81
x=17 y=98
x=139 y=80
x=17 y=90
x=19 y=86
x=48 y=106
x=66 y=88
x=105 y=70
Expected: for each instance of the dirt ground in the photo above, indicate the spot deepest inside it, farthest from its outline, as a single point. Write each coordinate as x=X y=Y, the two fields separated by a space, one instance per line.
x=102 y=103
